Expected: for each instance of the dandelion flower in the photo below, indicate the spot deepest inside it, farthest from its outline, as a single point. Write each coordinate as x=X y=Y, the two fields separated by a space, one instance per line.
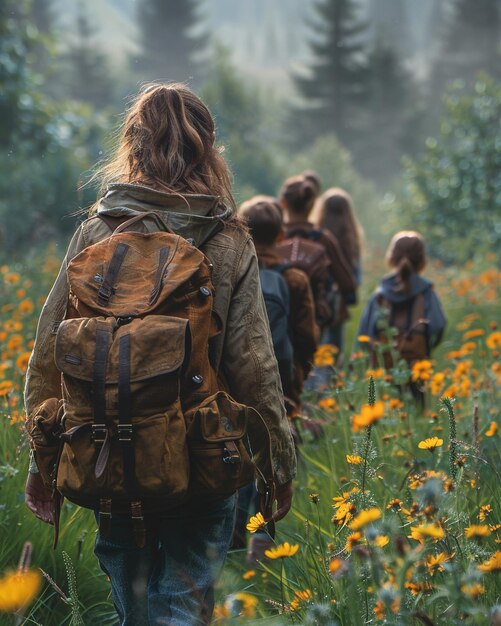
x=256 y=522
x=365 y=517
x=282 y=551
x=249 y=574
x=430 y=444
x=18 y=590
x=363 y=339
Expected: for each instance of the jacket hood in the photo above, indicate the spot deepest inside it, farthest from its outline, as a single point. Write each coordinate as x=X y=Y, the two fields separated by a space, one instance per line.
x=388 y=288
x=194 y=216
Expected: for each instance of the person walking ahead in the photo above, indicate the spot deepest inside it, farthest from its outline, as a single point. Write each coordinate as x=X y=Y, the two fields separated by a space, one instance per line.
x=166 y=179
x=316 y=251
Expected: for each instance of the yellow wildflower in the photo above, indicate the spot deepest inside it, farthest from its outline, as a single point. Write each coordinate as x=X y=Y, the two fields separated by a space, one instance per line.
x=437 y=383
x=381 y=541
x=26 y=306
x=328 y=404
x=493 y=341
x=419 y=533
x=325 y=355
x=474 y=590
x=363 y=339
x=365 y=517
x=434 y=562
x=473 y=334
x=241 y=603
x=367 y=416
x=485 y=509
x=353 y=459
x=430 y=444
x=18 y=590
x=491 y=565
x=477 y=530
x=422 y=370
x=282 y=551
x=377 y=373
x=249 y=574
x=256 y=522
x=492 y=430
x=353 y=540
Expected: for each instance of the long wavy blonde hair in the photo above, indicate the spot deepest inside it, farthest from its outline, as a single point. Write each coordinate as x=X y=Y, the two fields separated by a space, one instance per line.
x=167 y=141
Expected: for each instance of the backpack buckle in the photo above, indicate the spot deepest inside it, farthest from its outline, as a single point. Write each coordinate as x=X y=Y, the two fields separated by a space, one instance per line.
x=98 y=433
x=125 y=433
x=231 y=456
x=122 y=321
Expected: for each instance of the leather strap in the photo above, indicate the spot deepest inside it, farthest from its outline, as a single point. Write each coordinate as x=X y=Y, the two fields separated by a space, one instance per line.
x=124 y=412
x=138 y=523
x=105 y=516
x=107 y=287
x=163 y=256
x=103 y=337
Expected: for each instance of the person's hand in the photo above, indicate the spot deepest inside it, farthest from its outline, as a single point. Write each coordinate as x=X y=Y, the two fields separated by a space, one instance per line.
x=38 y=498
x=283 y=496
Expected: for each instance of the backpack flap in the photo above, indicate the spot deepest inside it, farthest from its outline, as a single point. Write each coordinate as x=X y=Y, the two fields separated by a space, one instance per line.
x=158 y=346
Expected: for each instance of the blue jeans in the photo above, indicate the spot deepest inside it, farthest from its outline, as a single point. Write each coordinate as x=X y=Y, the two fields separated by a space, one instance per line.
x=170 y=581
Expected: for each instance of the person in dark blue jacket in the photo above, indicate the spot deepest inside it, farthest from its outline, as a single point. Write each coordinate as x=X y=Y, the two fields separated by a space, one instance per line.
x=406 y=301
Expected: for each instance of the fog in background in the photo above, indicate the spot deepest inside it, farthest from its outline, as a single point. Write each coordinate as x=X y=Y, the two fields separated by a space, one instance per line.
x=397 y=101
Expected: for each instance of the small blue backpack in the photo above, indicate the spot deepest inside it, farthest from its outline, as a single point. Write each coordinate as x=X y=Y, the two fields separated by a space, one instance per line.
x=276 y=298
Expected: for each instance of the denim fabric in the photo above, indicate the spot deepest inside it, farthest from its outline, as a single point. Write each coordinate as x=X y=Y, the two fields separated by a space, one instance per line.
x=170 y=581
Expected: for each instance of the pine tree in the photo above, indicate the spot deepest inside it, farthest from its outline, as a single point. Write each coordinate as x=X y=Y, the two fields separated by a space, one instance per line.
x=472 y=42
x=390 y=21
x=88 y=75
x=392 y=114
x=170 y=47
x=335 y=88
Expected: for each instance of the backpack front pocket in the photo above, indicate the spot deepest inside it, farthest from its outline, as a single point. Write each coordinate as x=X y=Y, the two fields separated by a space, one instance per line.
x=220 y=462
x=125 y=434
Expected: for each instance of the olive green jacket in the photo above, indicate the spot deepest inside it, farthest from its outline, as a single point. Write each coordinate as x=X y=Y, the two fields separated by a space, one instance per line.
x=243 y=352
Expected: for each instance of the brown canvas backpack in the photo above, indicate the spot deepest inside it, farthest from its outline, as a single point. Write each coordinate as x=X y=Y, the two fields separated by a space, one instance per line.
x=304 y=250
x=144 y=422
x=409 y=338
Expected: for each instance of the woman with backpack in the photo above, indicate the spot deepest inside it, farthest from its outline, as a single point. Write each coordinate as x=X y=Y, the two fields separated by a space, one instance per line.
x=334 y=212
x=315 y=250
x=156 y=316
x=404 y=301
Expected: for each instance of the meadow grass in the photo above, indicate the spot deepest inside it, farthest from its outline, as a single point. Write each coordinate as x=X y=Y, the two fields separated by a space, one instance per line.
x=391 y=534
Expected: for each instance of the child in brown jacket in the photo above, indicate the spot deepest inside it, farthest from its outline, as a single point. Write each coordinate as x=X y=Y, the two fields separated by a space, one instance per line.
x=264 y=218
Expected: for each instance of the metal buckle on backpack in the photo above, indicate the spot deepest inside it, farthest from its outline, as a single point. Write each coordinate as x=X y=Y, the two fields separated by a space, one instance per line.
x=99 y=433
x=125 y=433
x=231 y=457
x=122 y=321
